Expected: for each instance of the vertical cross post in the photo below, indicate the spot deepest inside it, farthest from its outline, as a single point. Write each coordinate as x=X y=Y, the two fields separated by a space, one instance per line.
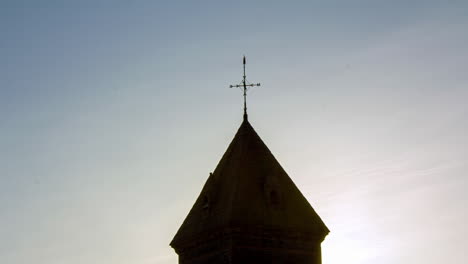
x=245 y=86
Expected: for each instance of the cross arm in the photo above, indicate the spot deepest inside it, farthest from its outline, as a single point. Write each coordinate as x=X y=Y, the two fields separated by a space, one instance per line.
x=247 y=85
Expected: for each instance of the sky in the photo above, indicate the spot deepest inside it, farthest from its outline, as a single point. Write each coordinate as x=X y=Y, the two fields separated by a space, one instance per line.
x=113 y=113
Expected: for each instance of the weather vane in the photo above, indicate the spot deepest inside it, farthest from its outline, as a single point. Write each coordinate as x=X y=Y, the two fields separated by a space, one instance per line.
x=244 y=86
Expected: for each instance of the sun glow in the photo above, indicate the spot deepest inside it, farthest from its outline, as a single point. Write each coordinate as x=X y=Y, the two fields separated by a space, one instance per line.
x=340 y=249
x=353 y=239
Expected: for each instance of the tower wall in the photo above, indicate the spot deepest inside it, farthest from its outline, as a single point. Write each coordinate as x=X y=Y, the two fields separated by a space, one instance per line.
x=240 y=248
x=275 y=256
x=242 y=255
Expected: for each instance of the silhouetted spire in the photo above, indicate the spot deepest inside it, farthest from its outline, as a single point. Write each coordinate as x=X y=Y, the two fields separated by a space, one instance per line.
x=249 y=210
x=249 y=195
x=243 y=85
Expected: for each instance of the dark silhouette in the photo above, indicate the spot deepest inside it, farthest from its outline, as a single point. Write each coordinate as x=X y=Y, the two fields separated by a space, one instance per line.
x=250 y=211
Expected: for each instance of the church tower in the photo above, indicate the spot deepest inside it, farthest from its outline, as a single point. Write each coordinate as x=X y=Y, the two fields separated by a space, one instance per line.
x=250 y=211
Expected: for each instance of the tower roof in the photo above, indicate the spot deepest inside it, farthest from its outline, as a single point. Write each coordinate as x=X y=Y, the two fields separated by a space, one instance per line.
x=249 y=189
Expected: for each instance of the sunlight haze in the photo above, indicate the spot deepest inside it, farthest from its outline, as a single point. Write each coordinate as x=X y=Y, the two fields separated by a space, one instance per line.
x=113 y=114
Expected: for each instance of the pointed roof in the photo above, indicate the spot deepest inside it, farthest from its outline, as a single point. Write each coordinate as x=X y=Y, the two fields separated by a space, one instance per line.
x=249 y=189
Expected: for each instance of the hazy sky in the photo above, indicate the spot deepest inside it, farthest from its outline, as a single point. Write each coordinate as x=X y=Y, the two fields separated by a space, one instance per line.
x=113 y=113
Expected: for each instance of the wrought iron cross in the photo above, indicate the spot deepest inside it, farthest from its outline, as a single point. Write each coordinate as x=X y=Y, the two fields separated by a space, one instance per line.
x=245 y=86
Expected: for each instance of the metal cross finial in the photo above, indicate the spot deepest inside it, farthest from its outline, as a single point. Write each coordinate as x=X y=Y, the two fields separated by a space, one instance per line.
x=244 y=86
